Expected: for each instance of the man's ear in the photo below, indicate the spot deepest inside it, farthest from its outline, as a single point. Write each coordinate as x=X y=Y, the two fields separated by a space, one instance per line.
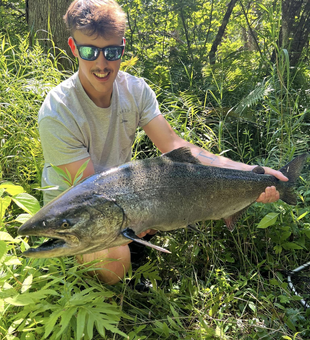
x=72 y=46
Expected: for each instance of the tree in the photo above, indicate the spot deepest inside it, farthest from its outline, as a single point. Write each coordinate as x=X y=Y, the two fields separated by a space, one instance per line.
x=45 y=21
x=221 y=31
x=295 y=28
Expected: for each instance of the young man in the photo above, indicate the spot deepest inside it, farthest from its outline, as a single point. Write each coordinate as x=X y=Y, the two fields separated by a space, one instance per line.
x=94 y=115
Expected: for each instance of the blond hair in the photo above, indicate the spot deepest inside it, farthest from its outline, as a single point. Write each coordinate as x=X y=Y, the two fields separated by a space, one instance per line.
x=101 y=17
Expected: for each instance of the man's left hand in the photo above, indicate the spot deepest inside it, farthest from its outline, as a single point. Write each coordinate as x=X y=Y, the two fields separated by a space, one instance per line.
x=271 y=194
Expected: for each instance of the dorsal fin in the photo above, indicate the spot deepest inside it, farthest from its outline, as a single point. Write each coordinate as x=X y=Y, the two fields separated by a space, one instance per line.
x=182 y=154
x=258 y=170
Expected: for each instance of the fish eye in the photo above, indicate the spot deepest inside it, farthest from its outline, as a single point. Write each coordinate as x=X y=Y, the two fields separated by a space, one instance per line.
x=65 y=224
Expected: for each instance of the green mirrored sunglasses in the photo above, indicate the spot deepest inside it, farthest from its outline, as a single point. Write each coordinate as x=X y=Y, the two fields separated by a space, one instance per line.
x=90 y=53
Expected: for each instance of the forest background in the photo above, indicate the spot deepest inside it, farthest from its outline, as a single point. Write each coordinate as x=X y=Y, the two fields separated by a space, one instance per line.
x=231 y=77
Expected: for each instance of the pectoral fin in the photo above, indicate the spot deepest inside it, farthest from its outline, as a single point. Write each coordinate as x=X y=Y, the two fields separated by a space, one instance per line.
x=130 y=234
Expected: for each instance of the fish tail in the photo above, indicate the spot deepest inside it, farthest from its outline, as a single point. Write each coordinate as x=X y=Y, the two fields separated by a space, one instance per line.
x=292 y=171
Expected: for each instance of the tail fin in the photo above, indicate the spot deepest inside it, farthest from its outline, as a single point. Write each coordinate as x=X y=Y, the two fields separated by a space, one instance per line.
x=292 y=171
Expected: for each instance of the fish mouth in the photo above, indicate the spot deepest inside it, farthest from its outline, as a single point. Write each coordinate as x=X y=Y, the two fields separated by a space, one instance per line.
x=54 y=247
x=46 y=247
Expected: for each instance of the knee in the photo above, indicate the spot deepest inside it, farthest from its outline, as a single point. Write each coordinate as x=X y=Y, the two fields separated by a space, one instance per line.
x=111 y=266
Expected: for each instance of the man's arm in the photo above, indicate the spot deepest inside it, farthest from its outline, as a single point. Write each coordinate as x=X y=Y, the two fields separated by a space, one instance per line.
x=165 y=139
x=74 y=167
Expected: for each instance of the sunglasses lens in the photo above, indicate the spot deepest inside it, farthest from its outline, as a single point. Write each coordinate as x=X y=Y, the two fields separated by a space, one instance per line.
x=113 y=52
x=88 y=52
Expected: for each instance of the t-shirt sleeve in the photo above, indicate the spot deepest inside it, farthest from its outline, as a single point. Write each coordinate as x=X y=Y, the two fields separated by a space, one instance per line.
x=149 y=105
x=61 y=142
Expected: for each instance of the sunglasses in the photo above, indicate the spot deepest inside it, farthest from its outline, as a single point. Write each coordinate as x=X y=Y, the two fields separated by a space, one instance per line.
x=90 y=53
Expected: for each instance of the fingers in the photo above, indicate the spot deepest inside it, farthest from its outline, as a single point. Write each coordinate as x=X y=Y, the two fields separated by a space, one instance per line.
x=275 y=173
x=148 y=231
x=269 y=195
x=143 y=233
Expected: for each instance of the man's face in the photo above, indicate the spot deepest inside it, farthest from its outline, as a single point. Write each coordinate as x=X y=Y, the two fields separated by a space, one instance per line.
x=97 y=76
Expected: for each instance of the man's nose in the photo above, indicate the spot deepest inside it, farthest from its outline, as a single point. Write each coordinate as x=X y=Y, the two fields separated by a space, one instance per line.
x=101 y=61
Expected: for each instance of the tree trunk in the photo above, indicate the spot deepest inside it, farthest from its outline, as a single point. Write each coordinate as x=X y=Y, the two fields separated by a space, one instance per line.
x=221 y=31
x=295 y=28
x=45 y=21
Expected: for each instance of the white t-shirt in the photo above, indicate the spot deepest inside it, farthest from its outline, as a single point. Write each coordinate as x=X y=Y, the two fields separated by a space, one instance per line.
x=72 y=127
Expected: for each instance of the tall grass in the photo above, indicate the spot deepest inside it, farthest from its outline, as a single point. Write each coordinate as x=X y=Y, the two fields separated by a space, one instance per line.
x=215 y=284
x=27 y=74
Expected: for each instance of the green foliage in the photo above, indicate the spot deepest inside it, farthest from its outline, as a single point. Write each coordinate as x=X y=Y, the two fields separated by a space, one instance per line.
x=13 y=18
x=27 y=74
x=252 y=106
x=66 y=176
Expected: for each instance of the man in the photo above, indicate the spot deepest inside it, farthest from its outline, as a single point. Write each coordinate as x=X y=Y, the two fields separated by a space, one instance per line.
x=94 y=115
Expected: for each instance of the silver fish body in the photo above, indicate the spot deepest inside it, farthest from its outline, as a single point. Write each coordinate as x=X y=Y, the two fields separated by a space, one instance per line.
x=163 y=193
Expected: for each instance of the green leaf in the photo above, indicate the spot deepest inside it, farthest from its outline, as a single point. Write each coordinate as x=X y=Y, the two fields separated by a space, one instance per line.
x=22 y=218
x=274 y=282
x=107 y=325
x=291 y=245
x=11 y=188
x=77 y=179
x=12 y=260
x=81 y=320
x=284 y=299
x=307 y=232
x=27 y=283
x=59 y=171
x=269 y=220
x=277 y=249
x=20 y=300
x=2 y=250
x=263 y=7
x=52 y=319
x=302 y=216
x=176 y=315
x=4 y=236
x=66 y=319
x=30 y=298
x=79 y=173
x=100 y=327
x=4 y=204
x=90 y=326
x=64 y=174
x=27 y=202
x=285 y=235
x=252 y=306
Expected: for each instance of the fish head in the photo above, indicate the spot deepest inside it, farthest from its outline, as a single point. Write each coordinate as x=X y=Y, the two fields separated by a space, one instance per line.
x=74 y=225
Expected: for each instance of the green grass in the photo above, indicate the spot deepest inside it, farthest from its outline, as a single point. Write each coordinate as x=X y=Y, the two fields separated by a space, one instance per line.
x=215 y=284
x=27 y=74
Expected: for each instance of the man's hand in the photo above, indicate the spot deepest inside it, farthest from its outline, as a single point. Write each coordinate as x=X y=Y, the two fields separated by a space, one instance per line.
x=149 y=231
x=271 y=194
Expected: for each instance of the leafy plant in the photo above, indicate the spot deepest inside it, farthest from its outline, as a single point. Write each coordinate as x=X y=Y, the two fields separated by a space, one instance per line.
x=66 y=176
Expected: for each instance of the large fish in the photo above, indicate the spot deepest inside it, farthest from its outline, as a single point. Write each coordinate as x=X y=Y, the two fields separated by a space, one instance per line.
x=163 y=193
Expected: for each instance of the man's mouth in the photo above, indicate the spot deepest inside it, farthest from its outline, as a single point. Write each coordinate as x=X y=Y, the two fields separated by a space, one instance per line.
x=101 y=75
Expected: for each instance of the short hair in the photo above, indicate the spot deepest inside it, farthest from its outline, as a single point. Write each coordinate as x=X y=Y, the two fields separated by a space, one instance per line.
x=101 y=17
